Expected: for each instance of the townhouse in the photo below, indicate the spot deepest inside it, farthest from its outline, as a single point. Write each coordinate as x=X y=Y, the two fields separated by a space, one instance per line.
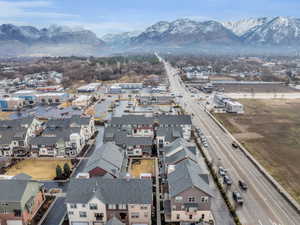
x=179 y=121
x=165 y=136
x=15 y=135
x=63 y=137
x=107 y=161
x=188 y=194
x=100 y=200
x=20 y=199
x=135 y=125
x=138 y=133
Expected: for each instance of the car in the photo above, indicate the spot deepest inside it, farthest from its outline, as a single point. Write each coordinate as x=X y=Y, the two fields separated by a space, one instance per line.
x=243 y=185
x=238 y=197
x=205 y=145
x=234 y=144
x=222 y=171
x=227 y=180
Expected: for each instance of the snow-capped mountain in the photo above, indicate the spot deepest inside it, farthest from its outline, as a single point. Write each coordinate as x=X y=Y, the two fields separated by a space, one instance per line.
x=185 y=32
x=242 y=26
x=278 y=31
x=54 y=34
x=120 y=38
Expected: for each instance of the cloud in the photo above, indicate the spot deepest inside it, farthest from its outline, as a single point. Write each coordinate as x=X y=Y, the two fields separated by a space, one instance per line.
x=24 y=10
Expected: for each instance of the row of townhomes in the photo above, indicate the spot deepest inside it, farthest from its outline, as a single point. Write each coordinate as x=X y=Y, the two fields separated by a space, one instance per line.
x=138 y=133
x=185 y=181
x=54 y=137
x=101 y=201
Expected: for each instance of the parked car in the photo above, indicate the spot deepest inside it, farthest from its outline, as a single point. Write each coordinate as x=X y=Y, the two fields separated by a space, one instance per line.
x=234 y=144
x=227 y=180
x=243 y=185
x=222 y=171
x=237 y=197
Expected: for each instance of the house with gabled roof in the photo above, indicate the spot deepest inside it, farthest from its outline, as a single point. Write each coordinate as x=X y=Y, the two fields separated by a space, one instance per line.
x=107 y=161
x=20 y=199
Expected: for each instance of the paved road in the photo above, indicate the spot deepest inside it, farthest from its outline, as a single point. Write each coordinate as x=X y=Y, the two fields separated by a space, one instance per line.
x=263 y=204
x=57 y=213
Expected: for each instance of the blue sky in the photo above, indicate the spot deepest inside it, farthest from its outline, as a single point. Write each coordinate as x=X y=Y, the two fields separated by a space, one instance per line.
x=112 y=16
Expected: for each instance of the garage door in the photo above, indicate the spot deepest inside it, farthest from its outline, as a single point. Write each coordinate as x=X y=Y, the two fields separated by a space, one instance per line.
x=80 y=223
x=14 y=222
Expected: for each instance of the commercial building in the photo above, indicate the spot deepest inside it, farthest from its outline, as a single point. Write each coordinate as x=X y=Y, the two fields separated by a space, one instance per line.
x=28 y=95
x=52 y=98
x=11 y=104
x=92 y=87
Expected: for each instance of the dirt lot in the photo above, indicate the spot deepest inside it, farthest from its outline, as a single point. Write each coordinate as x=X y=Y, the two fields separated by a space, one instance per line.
x=259 y=88
x=38 y=169
x=270 y=130
x=142 y=166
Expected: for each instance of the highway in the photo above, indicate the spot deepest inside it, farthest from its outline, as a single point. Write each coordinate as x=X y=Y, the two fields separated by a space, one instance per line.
x=263 y=205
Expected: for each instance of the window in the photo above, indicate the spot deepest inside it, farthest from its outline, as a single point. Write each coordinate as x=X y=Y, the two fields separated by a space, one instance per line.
x=204 y=199
x=173 y=207
x=203 y=216
x=122 y=206
x=83 y=205
x=145 y=215
x=99 y=216
x=135 y=215
x=71 y=213
x=82 y=214
x=144 y=207
x=111 y=206
x=93 y=206
x=73 y=206
x=191 y=199
x=178 y=198
x=17 y=213
x=191 y=217
x=178 y=216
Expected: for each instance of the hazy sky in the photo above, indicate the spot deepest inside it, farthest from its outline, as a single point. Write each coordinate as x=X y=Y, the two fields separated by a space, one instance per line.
x=105 y=16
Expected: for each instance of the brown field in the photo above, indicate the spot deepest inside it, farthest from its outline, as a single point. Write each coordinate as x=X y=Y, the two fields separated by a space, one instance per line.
x=142 y=166
x=38 y=169
x=270 y=130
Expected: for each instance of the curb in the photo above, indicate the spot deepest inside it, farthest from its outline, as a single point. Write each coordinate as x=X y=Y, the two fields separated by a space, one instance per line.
x=274 y=183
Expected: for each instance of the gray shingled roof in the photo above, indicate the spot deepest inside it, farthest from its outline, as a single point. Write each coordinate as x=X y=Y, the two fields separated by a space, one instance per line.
x=170 y=133
x=13 y=190
x=132 y=120
x=178 y=144
x=110 y=191
x=108 y=157
x=184 y=153
x=174 y=119
x=123 y=139
x=13 y=129
x=188 y=174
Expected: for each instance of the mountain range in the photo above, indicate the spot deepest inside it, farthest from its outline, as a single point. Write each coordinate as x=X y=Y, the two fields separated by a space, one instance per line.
x=182 y=33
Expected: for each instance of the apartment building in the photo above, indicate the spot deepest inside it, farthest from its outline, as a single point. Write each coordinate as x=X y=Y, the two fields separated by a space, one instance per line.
x=63 y=137
x=16 y=134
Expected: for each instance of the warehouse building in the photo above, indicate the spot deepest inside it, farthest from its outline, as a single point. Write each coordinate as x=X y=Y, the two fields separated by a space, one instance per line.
x=52 y=98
